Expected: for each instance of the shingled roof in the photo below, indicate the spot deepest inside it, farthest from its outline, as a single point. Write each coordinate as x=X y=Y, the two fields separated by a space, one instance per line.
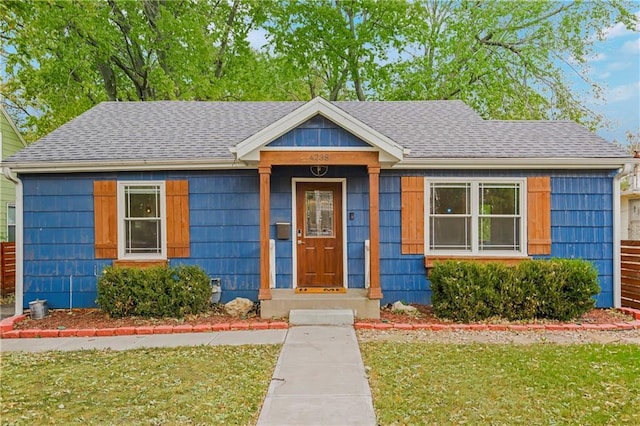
x=180 y=131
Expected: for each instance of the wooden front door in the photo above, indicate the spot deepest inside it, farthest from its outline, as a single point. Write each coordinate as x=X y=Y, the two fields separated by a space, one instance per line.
x=319 y=234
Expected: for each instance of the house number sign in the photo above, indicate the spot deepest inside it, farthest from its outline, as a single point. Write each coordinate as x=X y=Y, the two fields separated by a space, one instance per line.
x=319 y=157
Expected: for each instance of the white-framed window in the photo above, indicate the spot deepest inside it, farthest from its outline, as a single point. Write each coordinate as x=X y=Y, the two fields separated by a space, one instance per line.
x=142 y=220
x=11 y=222
x=475 y=216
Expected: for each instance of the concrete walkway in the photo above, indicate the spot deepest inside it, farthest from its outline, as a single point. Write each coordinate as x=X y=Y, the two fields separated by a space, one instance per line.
x=319 y=380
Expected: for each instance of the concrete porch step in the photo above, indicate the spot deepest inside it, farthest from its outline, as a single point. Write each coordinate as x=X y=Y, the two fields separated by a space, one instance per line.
x=321 y=317
x=285 y=300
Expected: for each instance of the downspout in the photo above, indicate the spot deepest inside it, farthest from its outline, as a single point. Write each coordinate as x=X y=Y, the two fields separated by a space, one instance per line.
x=617 y=285
x=19 y=241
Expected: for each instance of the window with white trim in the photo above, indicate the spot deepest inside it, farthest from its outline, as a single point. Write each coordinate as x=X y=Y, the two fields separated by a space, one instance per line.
x=141 y=220
x=11 y=222
x=475 y=216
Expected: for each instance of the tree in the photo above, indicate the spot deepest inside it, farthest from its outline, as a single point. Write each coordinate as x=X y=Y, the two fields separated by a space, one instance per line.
x=335 y=47
x=68 y=56
x=632 y=144
x=506 y=59
x=501 y=57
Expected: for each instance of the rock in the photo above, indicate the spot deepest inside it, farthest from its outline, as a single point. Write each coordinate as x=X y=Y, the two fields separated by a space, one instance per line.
x=238 y=307
x=401 y=307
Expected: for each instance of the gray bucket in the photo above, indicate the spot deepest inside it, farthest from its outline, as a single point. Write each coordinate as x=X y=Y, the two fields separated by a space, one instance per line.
x=216 y=290
x=38 y=309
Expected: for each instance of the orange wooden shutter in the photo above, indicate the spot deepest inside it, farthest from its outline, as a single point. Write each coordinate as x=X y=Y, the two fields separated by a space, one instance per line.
x=412 y=214
x=177 y=192
x=539 y=215
x=105 y=217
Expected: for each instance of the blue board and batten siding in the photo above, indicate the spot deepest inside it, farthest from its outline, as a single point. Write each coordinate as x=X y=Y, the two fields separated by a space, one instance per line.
x=225 y=216
x=318 y=131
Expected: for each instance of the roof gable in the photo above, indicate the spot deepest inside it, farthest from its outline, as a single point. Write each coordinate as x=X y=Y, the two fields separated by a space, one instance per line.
x=7 y=119
x=249 y=149
x=318 y=132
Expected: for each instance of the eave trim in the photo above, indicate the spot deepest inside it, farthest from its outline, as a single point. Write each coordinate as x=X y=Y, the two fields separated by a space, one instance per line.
x=419 y=163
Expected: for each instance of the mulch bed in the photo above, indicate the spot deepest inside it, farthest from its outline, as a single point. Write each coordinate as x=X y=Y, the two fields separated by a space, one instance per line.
x=97 y=319
x=425 y=315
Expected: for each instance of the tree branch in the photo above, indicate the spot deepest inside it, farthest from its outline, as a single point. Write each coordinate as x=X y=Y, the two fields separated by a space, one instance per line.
x=225 y=41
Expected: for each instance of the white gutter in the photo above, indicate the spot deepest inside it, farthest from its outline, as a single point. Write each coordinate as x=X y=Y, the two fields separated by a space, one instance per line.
x=617 y=284
x=407 y=163
x=19 y=241
x=128 y=165
x=512 y=163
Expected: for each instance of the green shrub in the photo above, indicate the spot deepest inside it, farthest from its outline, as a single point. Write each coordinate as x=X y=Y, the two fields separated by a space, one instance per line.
x=459 y=291
x=154 y=292
x=559 y=289
x=568 y=289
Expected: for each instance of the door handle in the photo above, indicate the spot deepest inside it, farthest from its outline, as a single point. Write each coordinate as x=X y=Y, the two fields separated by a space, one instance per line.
x=301 y=242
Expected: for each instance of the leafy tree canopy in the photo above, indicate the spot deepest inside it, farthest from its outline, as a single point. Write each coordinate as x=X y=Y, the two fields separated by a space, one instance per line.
x=504 y=58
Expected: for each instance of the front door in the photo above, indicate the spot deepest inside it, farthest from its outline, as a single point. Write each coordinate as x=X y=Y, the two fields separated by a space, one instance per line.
x=319 y=234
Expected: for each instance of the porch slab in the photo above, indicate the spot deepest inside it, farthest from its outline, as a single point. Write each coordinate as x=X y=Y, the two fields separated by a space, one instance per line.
x=321 y=317
x=285 y=300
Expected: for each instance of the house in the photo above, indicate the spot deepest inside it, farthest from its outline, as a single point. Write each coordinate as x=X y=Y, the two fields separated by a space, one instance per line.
x=11 y=141
x=630 y=203
x=309 y=203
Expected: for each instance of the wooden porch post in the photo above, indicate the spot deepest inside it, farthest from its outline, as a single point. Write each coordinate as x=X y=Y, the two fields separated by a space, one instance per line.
x=265 y=191
x=374 y=232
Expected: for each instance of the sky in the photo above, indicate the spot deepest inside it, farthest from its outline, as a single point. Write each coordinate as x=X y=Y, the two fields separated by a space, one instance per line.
x=615 y=65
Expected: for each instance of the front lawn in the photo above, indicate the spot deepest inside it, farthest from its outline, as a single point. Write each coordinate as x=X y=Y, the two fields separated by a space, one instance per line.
x=427 y=383
x=197 y=385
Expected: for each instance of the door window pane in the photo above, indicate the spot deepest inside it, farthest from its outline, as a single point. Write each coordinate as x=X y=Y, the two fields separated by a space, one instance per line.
x=319 y=211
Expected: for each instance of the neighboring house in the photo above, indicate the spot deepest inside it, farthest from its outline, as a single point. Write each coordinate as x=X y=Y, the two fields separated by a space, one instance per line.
x=630 y=203
x=282 y=198
x=11 y=141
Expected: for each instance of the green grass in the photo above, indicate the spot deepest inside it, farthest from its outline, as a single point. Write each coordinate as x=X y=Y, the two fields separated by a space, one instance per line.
x=196 y=385
x=425 y=383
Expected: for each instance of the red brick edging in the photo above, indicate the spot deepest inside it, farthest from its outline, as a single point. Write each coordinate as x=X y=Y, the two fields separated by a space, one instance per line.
x=7 y=331
x=630 y=325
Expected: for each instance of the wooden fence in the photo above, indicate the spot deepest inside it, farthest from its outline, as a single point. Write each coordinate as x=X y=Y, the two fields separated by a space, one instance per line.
x=630 y=273
x=7 y=268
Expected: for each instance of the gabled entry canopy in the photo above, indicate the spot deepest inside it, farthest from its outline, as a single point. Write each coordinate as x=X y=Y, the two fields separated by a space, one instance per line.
x=249 y=150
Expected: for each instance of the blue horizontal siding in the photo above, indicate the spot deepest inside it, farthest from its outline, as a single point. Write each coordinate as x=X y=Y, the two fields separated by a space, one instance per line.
x=581 y=218
x=59 y=232
x=225 y=234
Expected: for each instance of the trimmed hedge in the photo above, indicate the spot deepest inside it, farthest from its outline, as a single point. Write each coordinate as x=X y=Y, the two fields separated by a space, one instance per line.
x=159 y=291
x=560 y=289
